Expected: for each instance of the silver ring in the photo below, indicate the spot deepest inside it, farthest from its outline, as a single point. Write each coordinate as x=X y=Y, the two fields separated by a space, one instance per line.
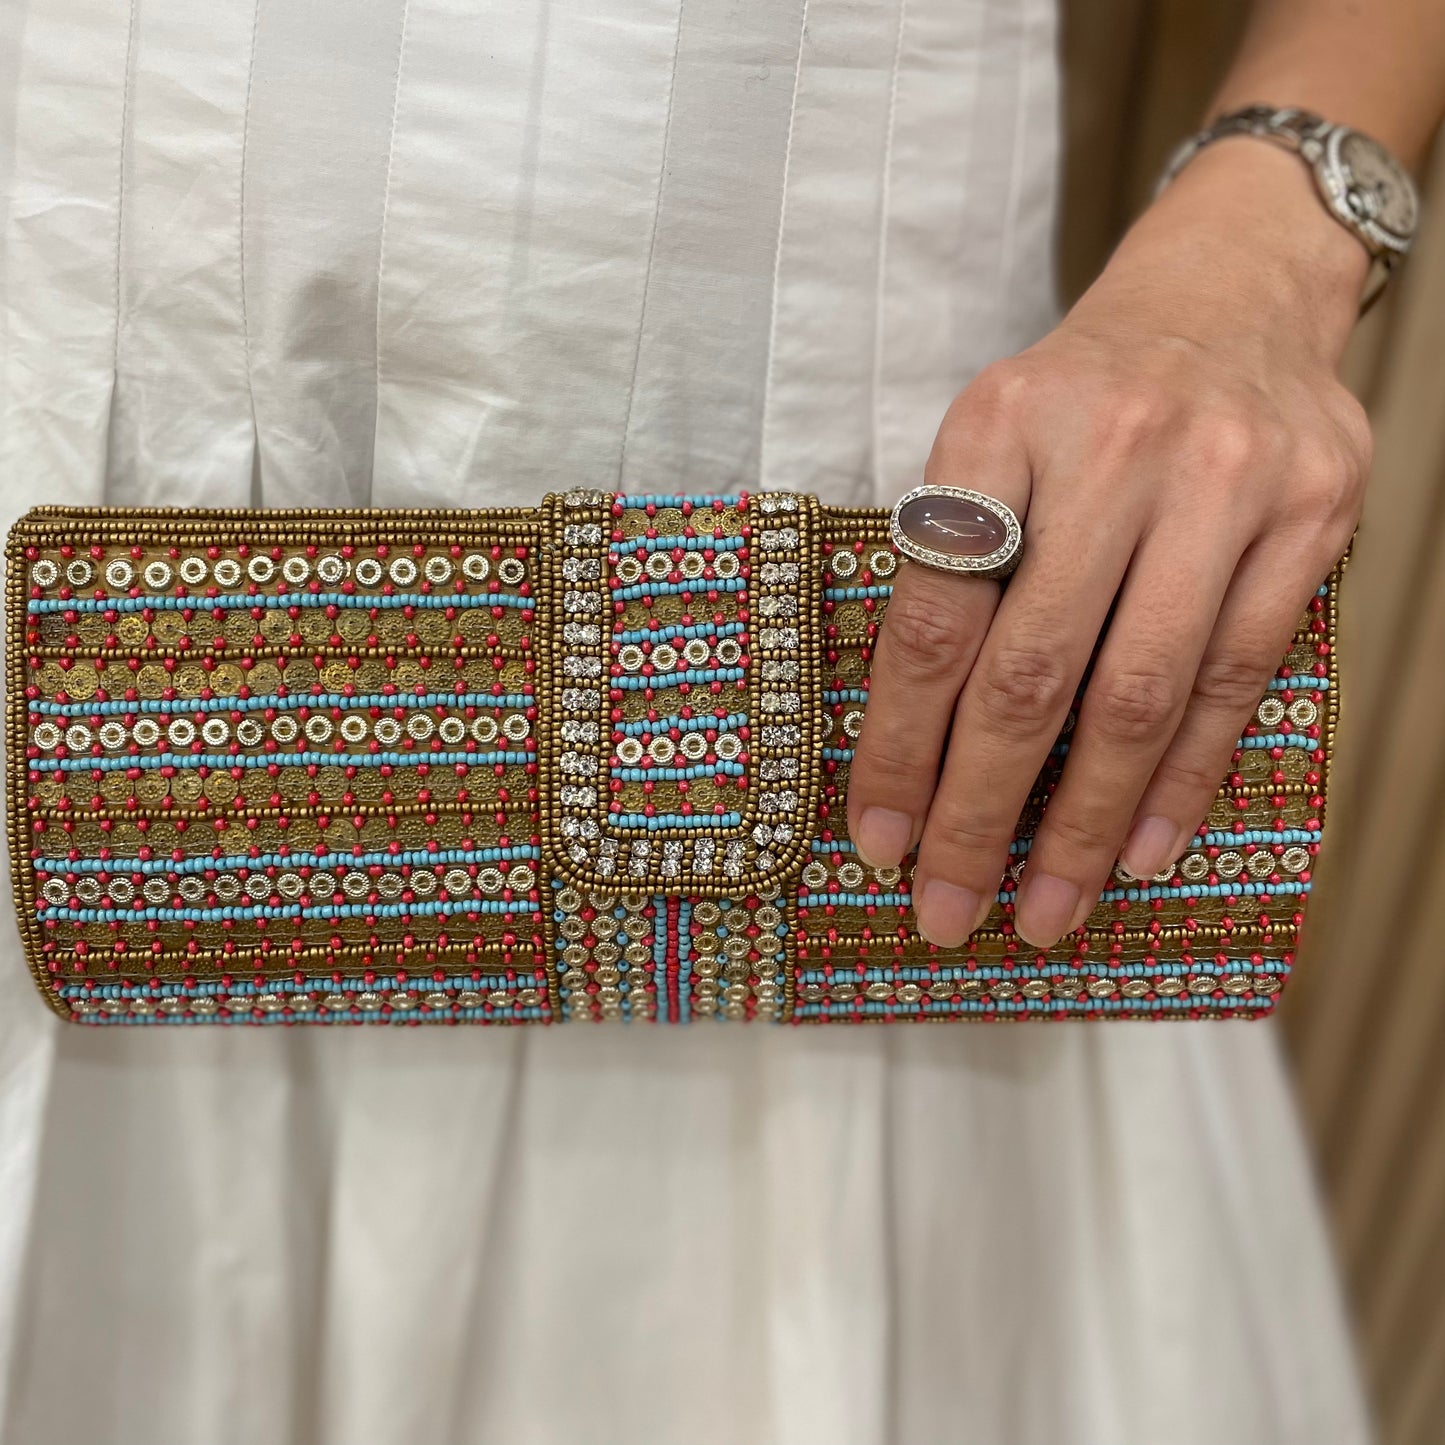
x=957 y=530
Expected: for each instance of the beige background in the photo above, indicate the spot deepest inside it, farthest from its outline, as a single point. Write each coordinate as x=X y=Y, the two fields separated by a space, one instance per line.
x=1365 y=1017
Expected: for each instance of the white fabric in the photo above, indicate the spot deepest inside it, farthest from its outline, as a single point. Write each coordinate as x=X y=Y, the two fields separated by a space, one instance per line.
x=453 y=252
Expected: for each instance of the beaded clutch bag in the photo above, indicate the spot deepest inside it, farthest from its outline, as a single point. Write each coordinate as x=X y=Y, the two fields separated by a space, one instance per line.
x=579 y=763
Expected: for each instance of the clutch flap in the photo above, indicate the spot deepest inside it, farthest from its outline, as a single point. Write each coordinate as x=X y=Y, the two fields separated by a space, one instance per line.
x=680 y=746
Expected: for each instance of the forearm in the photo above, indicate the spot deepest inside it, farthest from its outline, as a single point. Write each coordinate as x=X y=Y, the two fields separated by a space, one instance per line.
x=1240 y=241
x=1377 y=65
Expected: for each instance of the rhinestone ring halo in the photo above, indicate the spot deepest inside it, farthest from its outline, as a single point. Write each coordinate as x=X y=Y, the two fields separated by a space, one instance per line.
x=957 y=530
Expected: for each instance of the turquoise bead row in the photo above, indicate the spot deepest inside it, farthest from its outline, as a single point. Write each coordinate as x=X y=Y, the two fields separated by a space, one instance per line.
x=223 y=761
x=673 y=775
x=699 y=504
x=236 y=601
x=685 y=630
x=636 y=682
x=684 y=964
x=1214 y=838
x=672 y=589
x=443 y=908
x=682 y=724
x=675 y=820
x=213 y=988
x=283 y=702
x=1110 y=895
x=1023 y=1005
x=409 y=857
x=1092 y=966
x=531 y=1015
x=855 y=594
x=659 y=965
x=703 y=543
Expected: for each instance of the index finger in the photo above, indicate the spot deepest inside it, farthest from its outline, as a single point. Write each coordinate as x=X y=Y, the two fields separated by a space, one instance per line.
x=933 y=627
x=932 y=630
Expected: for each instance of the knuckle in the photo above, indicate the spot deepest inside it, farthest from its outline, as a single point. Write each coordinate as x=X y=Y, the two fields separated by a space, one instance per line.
x=986 y=410
x=1330 y=491
x=1227 y=442
x=999 y=388
x=1129 y=418
x=1190 y=775
x=953 y=839
x=1233 y=679
x=1354 y=424
x=1134 y=705
x=1078 y=833
x=889 y=761
x=923 y=638
x=1022 y=687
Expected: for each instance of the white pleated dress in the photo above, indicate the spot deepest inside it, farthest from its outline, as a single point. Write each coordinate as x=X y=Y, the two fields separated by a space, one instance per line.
x=454 y=252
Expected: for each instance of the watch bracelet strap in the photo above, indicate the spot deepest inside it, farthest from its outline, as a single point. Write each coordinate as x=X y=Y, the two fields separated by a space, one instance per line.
x=1286 y=126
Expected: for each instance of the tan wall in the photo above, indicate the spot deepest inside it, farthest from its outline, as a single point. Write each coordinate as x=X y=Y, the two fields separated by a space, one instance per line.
x=1365 y=1017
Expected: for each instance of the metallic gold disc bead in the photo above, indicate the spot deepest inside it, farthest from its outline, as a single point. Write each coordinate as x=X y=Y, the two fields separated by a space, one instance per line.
x=1229 y=864
x=1270 y=712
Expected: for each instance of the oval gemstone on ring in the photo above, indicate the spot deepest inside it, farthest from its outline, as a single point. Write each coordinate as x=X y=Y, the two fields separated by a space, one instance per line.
x=954 y=525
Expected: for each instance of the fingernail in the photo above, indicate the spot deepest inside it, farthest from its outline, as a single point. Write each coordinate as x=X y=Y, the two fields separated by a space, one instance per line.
x=1154 y=842
x=883 y=837
x=1046 y=908
x=947 y=914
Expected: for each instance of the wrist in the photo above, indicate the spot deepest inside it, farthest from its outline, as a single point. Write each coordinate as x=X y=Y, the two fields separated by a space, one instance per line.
x=1244 y=235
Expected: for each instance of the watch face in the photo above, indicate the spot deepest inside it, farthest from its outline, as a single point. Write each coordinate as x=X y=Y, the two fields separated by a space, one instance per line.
x=1370 y=190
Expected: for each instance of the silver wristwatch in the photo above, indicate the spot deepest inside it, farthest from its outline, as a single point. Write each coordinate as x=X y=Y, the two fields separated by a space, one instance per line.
x=1362 y=185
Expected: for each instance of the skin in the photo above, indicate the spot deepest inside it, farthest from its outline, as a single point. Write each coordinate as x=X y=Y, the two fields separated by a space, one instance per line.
x=1181 y=449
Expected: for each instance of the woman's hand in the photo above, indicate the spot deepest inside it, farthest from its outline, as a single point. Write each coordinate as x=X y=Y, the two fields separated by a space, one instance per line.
x=1181 y=443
